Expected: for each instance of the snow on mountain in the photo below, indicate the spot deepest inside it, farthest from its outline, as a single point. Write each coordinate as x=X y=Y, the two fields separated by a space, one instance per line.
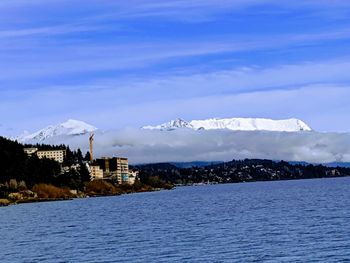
x=235 y=124
x=68 y=128
x=252 y=124
x=171 y=125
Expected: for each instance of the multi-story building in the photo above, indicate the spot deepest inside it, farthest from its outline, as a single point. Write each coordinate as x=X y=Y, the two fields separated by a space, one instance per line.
x=122 y=169
x=57 y=155
x=96 y=172
x=116 y=168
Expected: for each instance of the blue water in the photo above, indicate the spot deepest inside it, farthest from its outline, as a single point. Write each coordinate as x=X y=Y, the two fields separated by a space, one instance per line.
x=286 y=221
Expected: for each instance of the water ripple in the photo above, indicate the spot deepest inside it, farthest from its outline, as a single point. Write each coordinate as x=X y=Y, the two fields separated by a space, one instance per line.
x=289 y=221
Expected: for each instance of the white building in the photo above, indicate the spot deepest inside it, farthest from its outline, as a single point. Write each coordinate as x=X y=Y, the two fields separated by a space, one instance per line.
x=122 y=169
x=57 y=155
x=96 y=172
x=30 y=151
x=133 y=175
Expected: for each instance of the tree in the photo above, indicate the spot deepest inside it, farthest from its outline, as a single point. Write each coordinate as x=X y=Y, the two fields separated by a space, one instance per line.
x=84 y=173
x=87 y=156
x=69 y=159
x=79 y=156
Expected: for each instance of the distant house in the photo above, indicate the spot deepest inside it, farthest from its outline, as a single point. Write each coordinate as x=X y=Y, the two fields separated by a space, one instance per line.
x=30 y=151
x=133 y=175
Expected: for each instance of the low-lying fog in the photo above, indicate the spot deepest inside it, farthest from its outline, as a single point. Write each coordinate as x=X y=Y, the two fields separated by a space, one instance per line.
x=144 y=146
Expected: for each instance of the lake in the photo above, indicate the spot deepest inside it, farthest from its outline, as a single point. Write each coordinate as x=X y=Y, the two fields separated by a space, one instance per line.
x=282 y=221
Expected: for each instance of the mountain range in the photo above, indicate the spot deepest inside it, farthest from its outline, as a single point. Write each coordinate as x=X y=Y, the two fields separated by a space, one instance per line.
x=75 y=127
x=235 y=124
x=203 y=140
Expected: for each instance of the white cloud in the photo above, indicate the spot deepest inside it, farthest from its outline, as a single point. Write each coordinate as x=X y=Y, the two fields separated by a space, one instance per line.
x=249 y=79
x=185 y=145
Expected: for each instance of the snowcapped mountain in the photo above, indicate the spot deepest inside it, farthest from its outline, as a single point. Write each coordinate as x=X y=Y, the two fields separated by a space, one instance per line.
x=235 y=124
x=68 y=128
x=171 y=125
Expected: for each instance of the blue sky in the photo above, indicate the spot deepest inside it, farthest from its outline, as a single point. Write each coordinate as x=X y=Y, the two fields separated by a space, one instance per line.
x=118 y=64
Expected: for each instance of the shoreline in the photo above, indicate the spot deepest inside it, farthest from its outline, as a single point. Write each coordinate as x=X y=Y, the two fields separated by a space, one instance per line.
x=8 y=202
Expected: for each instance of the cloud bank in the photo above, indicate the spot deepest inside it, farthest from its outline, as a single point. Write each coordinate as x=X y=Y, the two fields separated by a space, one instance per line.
x=142 y=146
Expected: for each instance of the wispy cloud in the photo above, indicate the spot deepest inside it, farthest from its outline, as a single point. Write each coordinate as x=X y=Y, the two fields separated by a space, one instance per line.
x=78 y=57
x=186 y=11
x=204 y=10
x=250 y=79
x=45 y=31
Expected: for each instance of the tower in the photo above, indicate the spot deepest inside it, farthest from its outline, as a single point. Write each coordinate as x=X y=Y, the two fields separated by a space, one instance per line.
x=91 y=140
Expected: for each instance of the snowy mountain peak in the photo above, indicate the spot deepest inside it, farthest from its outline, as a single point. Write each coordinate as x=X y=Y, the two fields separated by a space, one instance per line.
x=235 y=124
x=171 y=125
x=75 y=127
x=70 y=127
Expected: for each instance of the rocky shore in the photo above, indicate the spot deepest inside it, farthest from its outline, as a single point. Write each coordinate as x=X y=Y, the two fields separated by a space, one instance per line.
x=48 y=193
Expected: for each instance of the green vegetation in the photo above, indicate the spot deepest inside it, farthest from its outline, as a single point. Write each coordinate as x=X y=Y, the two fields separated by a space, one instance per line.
x=156 y=182
x=102 y=187
x=46 y=179
x=26 y=178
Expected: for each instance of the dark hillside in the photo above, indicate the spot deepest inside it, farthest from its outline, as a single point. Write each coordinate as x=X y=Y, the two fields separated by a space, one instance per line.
x=237 y=171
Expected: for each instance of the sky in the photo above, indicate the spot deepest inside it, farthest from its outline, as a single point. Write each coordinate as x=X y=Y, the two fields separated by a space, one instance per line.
x=117 y=64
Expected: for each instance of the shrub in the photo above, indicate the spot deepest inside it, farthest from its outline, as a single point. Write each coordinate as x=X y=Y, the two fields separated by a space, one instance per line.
x=4 y=202
x=28 y=194
x=15 y=196
x=50 y=191
x=101 y=187
x=141 y=187
x=4 y=190
x=156 y=182
x=22 y=186
x=13 y=184
x=125 y=187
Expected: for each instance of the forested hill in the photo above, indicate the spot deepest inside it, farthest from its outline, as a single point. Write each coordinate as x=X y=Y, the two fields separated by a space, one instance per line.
x=240 y=171
x=26 y=178
x=16 y=165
